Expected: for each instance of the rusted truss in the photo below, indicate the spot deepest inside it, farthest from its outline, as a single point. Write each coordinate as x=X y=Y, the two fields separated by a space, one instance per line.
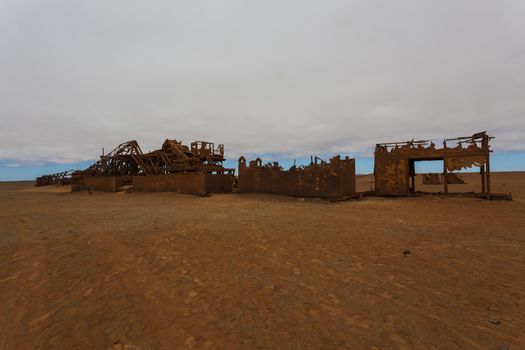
x=125 y=159
x=128 y=159
x=394 y=163
x=63 y=178
x=175 y=157
x=333 y=179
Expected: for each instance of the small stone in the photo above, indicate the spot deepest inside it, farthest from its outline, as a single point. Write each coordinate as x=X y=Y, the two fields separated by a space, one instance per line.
x=190 y=342
x=496 y=322
x=407 y=252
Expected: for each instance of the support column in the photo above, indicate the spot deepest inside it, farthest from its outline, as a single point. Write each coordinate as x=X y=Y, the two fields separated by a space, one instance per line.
x=488 y=175
x=482 y=173
x=445 y=182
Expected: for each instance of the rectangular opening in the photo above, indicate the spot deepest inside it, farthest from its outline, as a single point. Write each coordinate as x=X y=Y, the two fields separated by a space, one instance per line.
x=427 y=176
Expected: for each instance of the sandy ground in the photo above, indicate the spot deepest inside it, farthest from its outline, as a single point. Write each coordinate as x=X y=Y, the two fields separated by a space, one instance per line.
x=169 y=271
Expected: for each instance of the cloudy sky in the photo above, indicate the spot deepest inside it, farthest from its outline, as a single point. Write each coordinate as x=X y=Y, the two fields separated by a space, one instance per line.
x=281 y=78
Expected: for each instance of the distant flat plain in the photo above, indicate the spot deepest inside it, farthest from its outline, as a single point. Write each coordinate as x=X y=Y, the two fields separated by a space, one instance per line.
x=251 y=271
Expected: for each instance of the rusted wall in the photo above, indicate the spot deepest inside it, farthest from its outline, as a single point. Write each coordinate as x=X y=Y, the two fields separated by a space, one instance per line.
x=391 y=176
x=191 y=183
x=219 y=183
x=99 y=183
x=331 y=180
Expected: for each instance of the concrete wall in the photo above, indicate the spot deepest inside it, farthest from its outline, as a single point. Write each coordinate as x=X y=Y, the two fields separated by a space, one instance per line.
x=100 y=183
x=191 y=183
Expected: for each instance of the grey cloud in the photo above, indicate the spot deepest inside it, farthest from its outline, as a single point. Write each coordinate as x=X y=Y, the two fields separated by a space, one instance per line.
x=296 y=77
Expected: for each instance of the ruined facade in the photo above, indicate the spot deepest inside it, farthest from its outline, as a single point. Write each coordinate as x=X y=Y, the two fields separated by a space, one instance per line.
x=333 y=179
x=394 y=163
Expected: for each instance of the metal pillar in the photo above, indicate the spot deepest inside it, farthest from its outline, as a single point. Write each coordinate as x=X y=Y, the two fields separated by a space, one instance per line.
x=488 y=175
x=445 y=182
x=482 y=173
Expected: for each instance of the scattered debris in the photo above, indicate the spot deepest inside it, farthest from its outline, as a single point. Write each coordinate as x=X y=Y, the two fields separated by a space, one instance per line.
x=432 y=179
x=455 y=179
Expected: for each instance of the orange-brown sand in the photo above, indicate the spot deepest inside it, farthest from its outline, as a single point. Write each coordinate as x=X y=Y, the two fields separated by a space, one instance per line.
x=169 y=271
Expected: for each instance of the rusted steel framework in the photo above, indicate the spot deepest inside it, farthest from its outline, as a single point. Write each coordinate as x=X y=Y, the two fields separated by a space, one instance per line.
x=333 y=179
x=175 y=157
x=128 y=159
x=394 y=163
x=63 y=178
x=127 y=162
x=125 y=159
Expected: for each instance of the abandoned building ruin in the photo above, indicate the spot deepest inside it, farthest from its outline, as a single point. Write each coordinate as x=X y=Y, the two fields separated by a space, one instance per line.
x=175 y=167
x=199 y=169
x=333 y=179
x=394 y=163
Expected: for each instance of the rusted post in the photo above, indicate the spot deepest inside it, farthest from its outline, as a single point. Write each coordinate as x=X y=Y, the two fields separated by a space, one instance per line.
x=445 y=182
x=488 y=175
x=482 y=173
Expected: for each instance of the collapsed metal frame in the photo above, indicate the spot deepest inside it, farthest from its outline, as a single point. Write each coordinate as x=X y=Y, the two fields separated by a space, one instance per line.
x=62 y=178
x=128 y=159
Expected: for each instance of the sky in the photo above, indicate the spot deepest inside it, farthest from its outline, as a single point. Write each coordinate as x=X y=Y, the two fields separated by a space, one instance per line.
x=277 y=79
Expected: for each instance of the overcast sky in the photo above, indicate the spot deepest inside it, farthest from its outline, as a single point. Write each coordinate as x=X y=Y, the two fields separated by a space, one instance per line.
x=285 y=77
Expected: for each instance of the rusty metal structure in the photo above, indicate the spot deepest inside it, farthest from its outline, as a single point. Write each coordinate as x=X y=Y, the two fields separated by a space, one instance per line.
x=333 y=179
x=62 y=178
x=394 y=163
x=160 y=170
x=437 y=179
x=432 y=179
x=128 y=159
x=198 y=169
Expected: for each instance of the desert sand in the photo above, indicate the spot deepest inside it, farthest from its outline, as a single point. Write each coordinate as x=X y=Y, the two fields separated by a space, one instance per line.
x=169 y=271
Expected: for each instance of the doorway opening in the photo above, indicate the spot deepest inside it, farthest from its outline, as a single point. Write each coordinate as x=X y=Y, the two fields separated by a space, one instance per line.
x=426 y=173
